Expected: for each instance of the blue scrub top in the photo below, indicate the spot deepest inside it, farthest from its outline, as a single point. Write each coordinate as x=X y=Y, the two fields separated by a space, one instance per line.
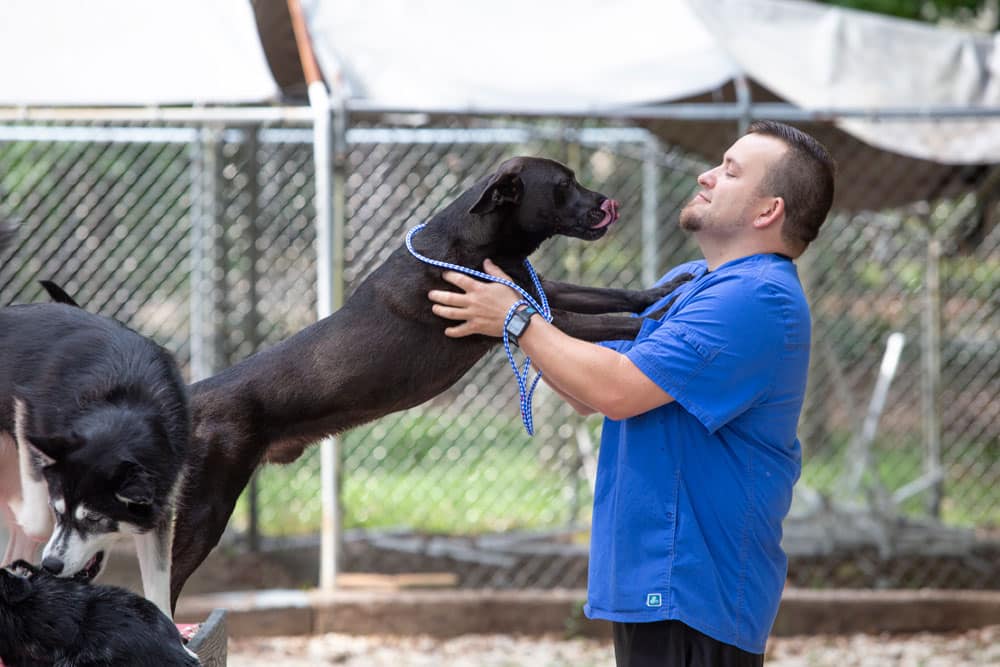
x=690 y=496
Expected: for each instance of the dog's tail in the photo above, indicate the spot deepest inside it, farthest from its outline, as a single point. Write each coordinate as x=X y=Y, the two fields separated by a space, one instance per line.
x=7 y=233
x=58 y=294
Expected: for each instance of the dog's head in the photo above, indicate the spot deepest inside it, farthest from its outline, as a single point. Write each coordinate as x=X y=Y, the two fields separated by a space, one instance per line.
x=29 y=631
x=39 y=614
x=535 y=198
x=15 y=582
x=103 y=479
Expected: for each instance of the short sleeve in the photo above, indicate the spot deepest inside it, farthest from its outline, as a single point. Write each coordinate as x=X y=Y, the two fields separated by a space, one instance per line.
x=717 y=355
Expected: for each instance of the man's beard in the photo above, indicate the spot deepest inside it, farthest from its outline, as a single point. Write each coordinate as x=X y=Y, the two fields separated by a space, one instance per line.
x=689 y=220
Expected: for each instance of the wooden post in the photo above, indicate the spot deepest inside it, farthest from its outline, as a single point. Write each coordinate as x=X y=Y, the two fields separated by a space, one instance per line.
x=210 y=642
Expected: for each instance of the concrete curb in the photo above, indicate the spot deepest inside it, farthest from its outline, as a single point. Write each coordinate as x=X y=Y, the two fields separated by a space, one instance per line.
x=459 y=612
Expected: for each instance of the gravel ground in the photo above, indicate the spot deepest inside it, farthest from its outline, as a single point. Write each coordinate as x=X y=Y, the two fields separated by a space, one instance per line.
x=969 y=649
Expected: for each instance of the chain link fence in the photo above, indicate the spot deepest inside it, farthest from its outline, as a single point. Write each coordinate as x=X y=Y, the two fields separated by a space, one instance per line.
x=201 y=235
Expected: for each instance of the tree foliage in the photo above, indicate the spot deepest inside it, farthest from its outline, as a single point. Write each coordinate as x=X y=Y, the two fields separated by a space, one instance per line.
x=921 y=10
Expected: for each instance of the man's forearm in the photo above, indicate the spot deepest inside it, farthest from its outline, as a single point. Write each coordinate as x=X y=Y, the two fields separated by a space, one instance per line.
x=590 y=376
x=575 y=403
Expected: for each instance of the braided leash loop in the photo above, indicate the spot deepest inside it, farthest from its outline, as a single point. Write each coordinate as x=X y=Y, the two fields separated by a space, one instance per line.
x=525 y=392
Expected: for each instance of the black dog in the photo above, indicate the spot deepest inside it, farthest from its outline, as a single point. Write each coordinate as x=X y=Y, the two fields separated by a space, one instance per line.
x=95 y=419
x=385 y=350
x=45 y=621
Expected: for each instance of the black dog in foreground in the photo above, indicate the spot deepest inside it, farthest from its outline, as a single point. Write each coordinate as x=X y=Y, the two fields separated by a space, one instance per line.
x=45 y=621
x=384 y=350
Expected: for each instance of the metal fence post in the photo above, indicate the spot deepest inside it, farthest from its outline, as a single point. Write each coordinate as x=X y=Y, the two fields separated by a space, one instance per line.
x=251 y=319
x=650 y=200
x=329 y=137
x=932 y=372
x=205 y=212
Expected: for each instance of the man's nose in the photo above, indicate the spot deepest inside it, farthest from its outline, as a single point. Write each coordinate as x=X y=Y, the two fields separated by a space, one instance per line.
x=707 y=179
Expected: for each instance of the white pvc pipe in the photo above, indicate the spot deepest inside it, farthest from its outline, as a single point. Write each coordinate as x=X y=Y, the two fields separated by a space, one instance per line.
x=887 y=371
x=319 y=100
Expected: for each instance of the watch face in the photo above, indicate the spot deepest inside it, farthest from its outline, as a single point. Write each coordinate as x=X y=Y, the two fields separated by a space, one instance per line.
x=518 y=323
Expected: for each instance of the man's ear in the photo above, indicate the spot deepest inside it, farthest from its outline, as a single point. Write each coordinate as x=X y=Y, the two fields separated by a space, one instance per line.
x=504 y=187
x=52 y=448
x=136 y=486
x=14 y=588
x=774 y=212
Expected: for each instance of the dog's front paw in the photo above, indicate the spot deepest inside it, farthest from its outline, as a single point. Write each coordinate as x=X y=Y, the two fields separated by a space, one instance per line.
x=654 y=294
x=666 y=289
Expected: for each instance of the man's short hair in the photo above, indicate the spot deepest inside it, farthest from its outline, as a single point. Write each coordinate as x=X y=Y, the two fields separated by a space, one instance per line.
x=803 y=178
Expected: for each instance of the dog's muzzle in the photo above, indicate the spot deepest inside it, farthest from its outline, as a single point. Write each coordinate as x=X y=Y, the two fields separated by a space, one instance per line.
x=610 y=208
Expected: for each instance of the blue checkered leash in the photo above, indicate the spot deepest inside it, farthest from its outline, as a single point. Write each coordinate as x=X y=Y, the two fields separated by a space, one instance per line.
x=525 y=392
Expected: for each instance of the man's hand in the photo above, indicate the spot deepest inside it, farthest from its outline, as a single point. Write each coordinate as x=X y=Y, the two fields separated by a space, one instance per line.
x=482 y=306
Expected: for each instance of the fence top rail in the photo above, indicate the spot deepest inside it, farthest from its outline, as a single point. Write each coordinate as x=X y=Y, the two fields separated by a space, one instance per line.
x=302 y=113
x=707 y=111
x=196 y=114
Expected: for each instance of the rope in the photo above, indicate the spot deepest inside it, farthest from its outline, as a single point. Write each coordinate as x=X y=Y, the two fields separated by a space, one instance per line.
x=525 y=392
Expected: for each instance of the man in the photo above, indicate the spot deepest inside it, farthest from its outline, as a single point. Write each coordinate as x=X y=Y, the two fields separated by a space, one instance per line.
x=698 y=451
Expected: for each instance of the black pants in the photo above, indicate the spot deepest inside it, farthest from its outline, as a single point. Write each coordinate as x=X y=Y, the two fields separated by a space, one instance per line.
x=673 y=644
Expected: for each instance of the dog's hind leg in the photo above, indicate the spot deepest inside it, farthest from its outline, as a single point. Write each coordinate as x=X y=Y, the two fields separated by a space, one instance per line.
x=153 y=549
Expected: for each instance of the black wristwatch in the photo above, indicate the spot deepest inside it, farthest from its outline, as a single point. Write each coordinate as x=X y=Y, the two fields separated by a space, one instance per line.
x=518 y=323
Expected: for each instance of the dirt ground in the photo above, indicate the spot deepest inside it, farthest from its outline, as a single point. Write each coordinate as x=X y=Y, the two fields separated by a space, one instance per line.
x=234 y=570
x=969 y=649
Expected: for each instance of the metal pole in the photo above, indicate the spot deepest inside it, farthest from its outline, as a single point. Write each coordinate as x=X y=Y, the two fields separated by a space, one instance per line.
x=782 y=111
x=251 y=321
x=329 y=259
x=932 y=373
x=745 y=102
x=204 y=219
x=650 y=200
x=573 y=264
x=326 y=303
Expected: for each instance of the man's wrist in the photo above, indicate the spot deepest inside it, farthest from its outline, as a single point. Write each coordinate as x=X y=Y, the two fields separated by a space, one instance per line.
x=518 y=321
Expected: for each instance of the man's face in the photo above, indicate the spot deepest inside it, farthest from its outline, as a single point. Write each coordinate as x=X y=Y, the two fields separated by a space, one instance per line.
x=730 y=197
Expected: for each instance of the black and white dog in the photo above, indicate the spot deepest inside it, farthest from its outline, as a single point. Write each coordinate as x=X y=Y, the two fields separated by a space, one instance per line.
x=45 y=620
x=94 y=430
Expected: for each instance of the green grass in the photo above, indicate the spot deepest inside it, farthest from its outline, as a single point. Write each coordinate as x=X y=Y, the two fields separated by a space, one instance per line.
x=470 y=475
x=413 y=471
x=968 y=500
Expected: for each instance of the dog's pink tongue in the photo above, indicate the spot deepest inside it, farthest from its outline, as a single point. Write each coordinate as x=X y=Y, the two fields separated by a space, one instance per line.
x=610 y=208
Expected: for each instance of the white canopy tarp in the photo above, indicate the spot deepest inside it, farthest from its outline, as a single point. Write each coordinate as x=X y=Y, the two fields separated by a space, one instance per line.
x=546 y=55
x=821 y=57
x=131 y=52
x=588 y=55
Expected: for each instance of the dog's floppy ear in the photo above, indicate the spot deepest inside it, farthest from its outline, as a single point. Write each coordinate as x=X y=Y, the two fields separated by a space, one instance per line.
x=504 y=187
x=13 y=587
x=136 y=486
x=52 y=448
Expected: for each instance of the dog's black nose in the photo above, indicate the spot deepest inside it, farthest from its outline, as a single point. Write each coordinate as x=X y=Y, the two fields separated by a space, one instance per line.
x=52 y=565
